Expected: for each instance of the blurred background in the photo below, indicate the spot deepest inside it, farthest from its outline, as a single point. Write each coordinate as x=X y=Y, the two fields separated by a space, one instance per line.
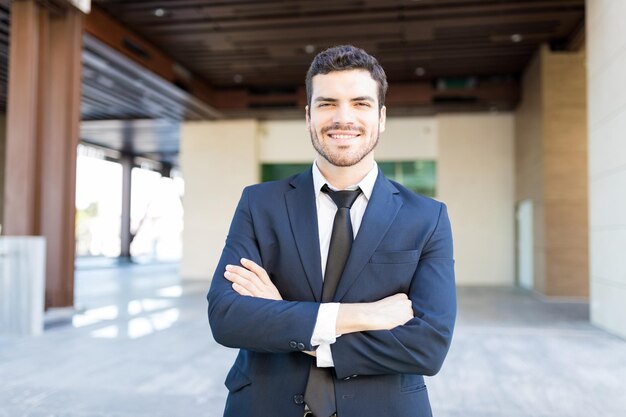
x=129 y=128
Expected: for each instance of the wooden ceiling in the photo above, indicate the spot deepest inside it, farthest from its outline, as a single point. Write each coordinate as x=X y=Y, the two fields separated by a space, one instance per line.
x=248 y=58
x=257 y=52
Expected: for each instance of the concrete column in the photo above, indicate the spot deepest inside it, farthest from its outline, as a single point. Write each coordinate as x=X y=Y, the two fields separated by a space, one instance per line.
x=126 y=237
x=43 y=115
x=218 y=159
x=606 y=43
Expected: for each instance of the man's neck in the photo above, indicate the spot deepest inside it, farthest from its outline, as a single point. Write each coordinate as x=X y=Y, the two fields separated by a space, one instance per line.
x=343 y=177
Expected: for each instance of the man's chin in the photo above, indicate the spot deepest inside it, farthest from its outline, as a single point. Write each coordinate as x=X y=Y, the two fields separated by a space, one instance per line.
x=342 y=162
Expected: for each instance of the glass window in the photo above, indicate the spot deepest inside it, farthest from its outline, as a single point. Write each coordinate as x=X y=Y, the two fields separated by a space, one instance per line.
x=98 y=204
x=156 y=216
x=271 y=172
x=417 y=176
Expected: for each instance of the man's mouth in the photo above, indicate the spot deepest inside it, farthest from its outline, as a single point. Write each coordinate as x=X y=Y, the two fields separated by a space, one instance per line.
x=343 y=136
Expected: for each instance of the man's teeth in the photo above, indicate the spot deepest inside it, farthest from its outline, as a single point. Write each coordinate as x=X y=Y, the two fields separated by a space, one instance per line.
x=343 y=136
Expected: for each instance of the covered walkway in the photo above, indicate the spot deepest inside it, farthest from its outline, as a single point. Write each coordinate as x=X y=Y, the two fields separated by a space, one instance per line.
x=142 y=347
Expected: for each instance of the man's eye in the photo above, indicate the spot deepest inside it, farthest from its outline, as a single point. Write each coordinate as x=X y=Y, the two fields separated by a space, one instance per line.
x=363 y=104
x=323 y=105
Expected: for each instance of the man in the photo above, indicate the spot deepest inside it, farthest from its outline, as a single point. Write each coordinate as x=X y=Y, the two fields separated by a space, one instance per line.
x=337 y=284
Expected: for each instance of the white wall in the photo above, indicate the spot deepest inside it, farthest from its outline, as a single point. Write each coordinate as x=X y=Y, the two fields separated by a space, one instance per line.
x=217 y=160
x=606 y=66
x=284 y=142
x=475 y=172
x=475 y=177
x=408 y=138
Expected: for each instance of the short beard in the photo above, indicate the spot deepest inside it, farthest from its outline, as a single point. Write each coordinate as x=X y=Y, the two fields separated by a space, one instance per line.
x=339 y=159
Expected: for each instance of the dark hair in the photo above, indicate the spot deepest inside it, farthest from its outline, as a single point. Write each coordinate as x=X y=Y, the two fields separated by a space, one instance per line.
x=342 y=58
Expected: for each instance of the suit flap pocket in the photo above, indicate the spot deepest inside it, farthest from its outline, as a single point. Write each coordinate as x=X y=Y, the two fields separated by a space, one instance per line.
x=236 y=380
x=395 y=257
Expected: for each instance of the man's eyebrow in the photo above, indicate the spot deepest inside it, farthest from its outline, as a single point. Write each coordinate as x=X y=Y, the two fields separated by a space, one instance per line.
x=364 y=98
x=333 y=100
x=325 y=99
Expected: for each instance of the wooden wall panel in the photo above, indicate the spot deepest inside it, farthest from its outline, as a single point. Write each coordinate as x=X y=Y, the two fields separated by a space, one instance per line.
x=2 y=164
x=551 y=169
x=565 y=161
x=42 y=135
x=21 y=140
x=529 y=170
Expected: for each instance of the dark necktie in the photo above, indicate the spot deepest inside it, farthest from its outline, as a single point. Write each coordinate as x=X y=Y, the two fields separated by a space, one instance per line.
x=320 y=390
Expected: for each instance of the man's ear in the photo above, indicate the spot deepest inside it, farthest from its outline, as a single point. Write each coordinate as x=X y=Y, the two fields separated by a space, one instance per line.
x=382 y=120
x=307 y=116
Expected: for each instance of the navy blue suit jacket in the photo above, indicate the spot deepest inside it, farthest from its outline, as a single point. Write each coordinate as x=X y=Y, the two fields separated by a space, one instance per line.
x=404 y=244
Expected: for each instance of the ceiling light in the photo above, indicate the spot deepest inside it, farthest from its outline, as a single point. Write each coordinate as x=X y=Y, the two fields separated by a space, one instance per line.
x=238 y=78
x=516 y=37
x=159 y=12
x=309 y=49
x=420 y=71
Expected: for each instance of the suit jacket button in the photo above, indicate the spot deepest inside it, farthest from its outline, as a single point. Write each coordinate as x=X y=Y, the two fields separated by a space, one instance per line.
x=298 y=399
x=293 y=344
x=301 y=346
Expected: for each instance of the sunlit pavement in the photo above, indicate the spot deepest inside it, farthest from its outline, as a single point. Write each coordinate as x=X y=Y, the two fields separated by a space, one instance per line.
x=140 y=346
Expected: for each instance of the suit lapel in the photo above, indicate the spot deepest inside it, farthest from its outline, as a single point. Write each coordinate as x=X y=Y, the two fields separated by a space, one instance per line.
x=379 y=215
x=302 y=212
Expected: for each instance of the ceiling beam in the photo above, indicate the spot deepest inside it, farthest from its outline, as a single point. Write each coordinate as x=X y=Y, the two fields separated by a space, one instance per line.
x=405 y=95
x=117 y=36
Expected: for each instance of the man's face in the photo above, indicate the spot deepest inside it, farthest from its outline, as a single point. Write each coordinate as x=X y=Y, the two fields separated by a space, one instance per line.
x=343 y=119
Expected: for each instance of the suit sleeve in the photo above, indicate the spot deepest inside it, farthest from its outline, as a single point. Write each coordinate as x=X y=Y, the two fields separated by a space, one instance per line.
x=254 y=323
x=419 y=346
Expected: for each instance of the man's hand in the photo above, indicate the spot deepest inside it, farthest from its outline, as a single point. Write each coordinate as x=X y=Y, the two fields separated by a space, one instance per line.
x=391 y=312
x=384 y=314
x=251 y=280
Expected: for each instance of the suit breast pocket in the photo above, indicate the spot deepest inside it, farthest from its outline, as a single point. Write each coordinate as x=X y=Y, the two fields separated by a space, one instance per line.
x=392 y=271
x=395 y=257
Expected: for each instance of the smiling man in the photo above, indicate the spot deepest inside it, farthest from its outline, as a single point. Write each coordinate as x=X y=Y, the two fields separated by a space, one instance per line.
x=337 y=284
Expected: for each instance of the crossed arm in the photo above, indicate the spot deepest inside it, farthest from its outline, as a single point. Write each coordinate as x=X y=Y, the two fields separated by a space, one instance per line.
x=252 y=280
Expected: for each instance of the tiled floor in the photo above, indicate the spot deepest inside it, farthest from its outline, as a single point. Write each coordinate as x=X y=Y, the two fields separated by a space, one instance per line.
x=142 y=347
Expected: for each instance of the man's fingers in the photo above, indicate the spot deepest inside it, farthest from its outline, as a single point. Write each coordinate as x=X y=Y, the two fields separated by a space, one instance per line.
x=242 y=281
x=400 y=296
x=242 y=272
x=257 y=269
x=253 y=280
x=241 y=290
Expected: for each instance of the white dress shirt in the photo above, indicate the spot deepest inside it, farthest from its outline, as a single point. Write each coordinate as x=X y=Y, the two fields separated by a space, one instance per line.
x=324 y=333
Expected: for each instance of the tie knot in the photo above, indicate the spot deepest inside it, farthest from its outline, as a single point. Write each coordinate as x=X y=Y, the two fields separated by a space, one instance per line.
x=344 y=198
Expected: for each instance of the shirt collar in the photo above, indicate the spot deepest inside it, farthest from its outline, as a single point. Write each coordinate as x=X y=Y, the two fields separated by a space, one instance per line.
x=366 y=184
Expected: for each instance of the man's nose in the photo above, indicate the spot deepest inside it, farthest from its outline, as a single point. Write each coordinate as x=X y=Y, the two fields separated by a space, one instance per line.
x=343 y=114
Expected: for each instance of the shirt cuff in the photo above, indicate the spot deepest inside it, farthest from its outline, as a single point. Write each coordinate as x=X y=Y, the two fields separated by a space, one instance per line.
x=324 y=356
x=324 y=334
x=325 y=325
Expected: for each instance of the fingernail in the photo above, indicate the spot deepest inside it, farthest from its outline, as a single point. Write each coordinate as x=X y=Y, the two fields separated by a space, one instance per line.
x=244 y=260
x=229 y=267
